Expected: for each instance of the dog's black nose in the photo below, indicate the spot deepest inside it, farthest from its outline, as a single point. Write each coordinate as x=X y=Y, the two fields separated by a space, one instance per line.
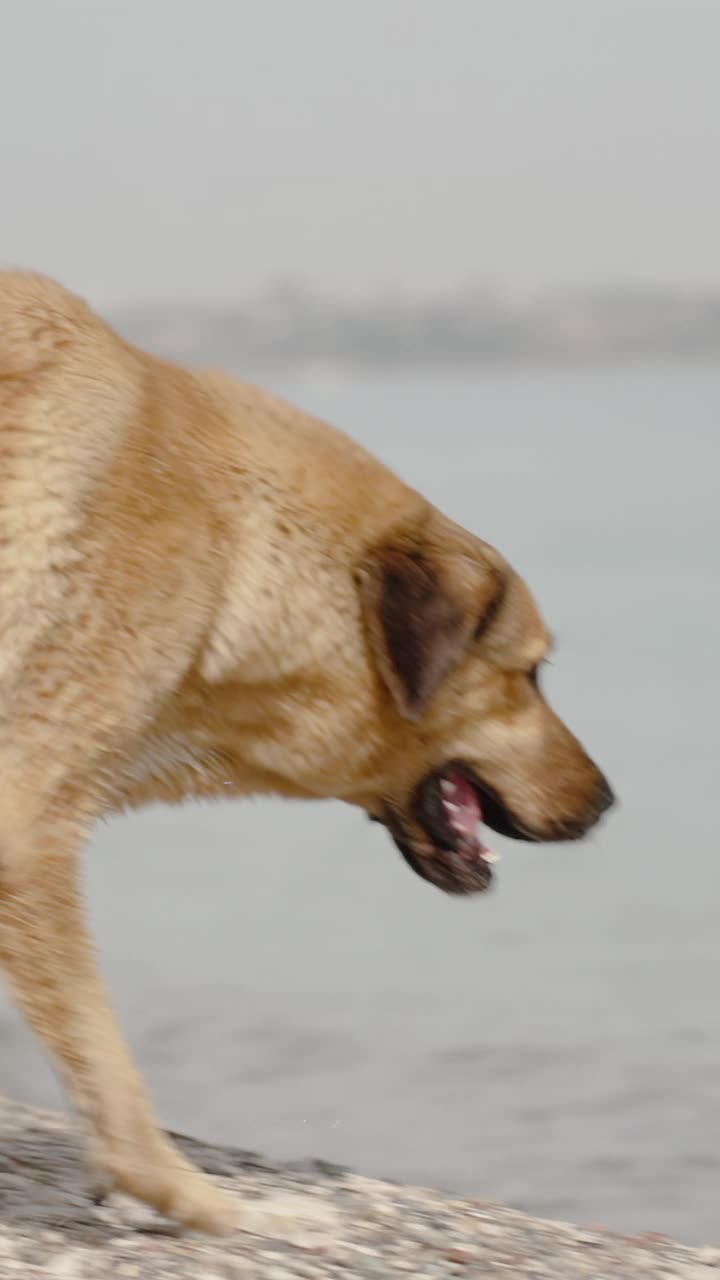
x=605 y=798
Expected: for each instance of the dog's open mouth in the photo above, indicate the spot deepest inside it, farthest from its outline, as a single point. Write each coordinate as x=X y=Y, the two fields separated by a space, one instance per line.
x=450 y=852
x=449 y=807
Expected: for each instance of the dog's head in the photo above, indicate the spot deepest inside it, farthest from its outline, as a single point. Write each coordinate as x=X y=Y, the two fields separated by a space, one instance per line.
x=458 y=647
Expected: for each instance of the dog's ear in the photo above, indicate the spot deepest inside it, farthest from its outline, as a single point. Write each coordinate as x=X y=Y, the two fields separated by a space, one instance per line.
x=421 y=611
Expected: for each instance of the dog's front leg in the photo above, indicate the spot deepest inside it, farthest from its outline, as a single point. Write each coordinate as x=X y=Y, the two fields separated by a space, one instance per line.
x=49 y=958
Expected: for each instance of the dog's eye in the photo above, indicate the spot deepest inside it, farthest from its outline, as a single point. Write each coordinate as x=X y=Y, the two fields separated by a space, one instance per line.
x=533 y=674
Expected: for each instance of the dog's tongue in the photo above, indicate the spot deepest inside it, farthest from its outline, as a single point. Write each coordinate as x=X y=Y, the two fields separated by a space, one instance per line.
x=461 y=804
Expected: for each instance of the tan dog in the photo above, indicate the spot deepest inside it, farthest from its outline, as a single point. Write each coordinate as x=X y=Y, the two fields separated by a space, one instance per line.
x=202 y=592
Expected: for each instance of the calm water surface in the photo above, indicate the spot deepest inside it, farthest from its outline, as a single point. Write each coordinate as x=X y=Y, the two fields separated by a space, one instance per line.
x=288 y=984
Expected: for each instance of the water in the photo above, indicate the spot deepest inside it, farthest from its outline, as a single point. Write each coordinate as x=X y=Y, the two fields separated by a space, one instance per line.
x=288 y=984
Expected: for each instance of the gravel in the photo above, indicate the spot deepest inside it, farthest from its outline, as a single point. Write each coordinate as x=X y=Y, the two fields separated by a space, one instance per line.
x=348 y=1225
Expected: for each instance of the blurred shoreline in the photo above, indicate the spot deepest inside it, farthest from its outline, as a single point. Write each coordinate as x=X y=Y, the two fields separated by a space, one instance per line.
x=296 y=329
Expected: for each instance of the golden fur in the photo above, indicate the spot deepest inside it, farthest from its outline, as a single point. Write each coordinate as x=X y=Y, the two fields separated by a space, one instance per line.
x=203 y=591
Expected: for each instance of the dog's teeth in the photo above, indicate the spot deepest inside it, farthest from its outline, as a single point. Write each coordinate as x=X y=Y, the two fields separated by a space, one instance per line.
x=447 y=787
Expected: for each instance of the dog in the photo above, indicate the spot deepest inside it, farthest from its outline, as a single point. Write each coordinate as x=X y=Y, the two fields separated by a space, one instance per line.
x=205 y=592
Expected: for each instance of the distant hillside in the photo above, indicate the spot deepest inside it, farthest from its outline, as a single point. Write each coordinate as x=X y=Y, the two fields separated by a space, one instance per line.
x=291 y=328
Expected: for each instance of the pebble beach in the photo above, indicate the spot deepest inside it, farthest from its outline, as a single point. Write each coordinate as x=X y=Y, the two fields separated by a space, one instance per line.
x=319 y=1221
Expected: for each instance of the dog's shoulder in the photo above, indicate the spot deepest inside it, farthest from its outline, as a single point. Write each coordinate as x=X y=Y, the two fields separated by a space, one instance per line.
x=38 y=319
x=66 y=391
x=68 y=383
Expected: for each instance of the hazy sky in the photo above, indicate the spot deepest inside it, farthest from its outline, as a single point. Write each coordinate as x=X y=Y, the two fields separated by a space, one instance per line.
x=203 y=148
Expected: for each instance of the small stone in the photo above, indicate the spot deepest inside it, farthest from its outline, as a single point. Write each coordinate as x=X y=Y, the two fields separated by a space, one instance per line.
x=374 y=1267
x=422 y=1232
x=69 y=1263
x=462 y=1256
x=385 y=1209
x=709 y=1256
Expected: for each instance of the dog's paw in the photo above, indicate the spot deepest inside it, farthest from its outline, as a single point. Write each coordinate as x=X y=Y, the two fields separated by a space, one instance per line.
x=197 y=1205
x=163 y=1180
